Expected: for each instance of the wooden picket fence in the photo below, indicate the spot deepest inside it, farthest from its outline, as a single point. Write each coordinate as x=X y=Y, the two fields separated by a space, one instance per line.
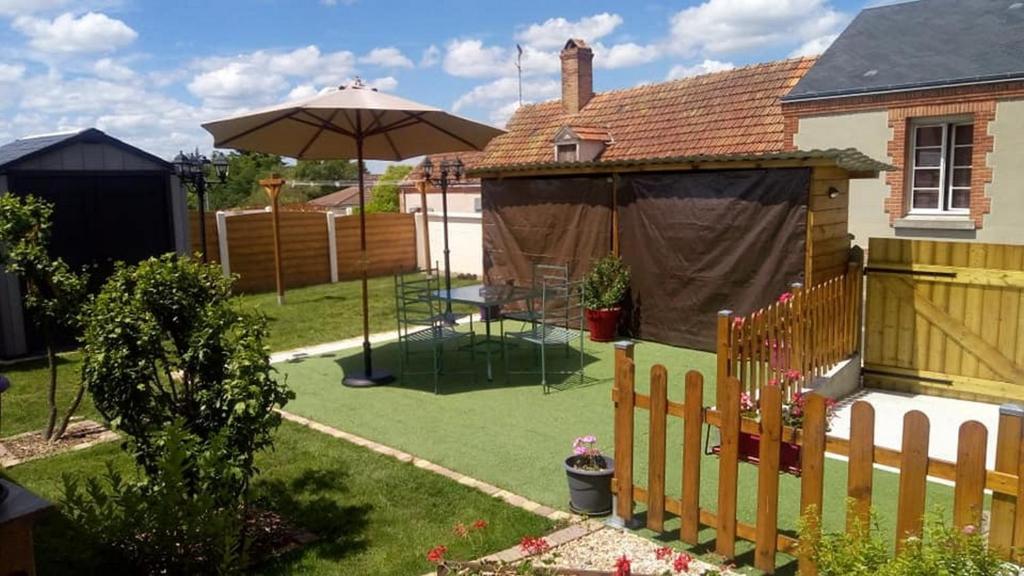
x=1006 y=522
x=811 y=330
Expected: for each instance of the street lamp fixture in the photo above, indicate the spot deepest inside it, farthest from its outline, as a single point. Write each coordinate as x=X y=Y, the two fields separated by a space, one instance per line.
x=446 y=172
x=191 y=169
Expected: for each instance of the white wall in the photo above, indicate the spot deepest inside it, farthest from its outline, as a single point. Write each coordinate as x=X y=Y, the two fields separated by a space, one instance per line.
x=465 y=241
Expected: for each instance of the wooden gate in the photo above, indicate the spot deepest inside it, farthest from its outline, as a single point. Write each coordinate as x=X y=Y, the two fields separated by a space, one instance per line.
x=945 y=318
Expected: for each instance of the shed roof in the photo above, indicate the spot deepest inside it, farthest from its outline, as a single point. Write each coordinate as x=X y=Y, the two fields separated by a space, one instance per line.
x=735 y=112
x=23 y=148
x=348 y=196
x=922 y=44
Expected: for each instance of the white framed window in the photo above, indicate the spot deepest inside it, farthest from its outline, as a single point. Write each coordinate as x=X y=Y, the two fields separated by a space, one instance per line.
x=940 y=167
x=567 y=152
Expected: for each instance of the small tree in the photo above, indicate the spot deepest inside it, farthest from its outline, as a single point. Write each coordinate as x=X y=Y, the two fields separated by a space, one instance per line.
x=385 y=192
x=164 y=342
x=54 y=293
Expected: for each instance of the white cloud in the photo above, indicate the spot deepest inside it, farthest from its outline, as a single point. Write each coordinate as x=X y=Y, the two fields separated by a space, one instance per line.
x=389 y=57
x=262 y=77
x=507 y=88
x=384 y=84
x=553 y=32
x=11 y=72
x=17 y=7
x=723 y=26
x=500 y=115
x=705 y=67
x=109 y=69
x=302 y=91
x=471 y=59
x=625 y=55
x=815 y=46
x=90 y=32
x=431 y=56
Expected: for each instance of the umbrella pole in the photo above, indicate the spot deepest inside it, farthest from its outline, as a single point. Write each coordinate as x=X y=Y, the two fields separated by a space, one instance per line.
x=369 y=377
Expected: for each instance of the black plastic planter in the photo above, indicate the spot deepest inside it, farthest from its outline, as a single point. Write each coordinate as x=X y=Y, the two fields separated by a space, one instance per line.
x=590 y=491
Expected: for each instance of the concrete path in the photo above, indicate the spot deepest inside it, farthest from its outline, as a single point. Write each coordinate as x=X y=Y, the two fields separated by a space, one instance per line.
x=945 y=414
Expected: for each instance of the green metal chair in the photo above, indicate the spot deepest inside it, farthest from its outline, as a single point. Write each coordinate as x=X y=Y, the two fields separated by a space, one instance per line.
x=422 y=326
x=560 y=308
x=552 y=275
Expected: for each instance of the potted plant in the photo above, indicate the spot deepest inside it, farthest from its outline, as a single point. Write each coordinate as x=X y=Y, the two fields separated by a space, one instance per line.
x=590 y=478
x=603 y=289
x=749 y=445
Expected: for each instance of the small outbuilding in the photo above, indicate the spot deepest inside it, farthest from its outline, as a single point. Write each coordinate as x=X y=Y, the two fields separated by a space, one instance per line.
x=112 y=202
x=689 y=181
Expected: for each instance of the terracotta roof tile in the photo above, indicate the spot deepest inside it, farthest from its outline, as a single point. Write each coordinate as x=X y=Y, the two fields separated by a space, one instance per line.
x=733 y=112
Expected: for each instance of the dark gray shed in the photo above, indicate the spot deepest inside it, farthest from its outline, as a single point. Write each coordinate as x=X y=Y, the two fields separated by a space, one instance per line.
x=112 y=202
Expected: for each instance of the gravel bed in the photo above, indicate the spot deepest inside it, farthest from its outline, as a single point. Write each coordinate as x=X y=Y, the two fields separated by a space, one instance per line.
x=601 y=549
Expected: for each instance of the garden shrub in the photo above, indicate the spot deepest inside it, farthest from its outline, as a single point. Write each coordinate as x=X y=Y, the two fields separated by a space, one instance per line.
x=942 y=551
x=173 y=363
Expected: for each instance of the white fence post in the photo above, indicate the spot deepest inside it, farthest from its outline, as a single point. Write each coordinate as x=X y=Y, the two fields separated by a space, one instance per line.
x=332 y=245
x=222 y=242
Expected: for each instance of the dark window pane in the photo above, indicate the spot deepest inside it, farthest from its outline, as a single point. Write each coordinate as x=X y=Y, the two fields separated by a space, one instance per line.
x=929 y=136
x=962 y=156
x=926 y=178
x=961 y=199
x=566 y=152
x=962 y=177
x=926 y=199
x=965 y=134
x=927 y=157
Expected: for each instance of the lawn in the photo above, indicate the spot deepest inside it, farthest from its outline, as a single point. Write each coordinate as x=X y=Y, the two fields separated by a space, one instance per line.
x=516 y=437
x=24 y=405
x=373 y=514
x=327 y=312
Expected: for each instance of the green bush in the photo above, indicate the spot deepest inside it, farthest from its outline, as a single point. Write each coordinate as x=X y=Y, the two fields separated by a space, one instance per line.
x=605 y=284
x=942 y=551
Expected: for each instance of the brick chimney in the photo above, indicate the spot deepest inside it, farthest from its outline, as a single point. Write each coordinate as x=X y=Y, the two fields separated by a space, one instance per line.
x=577 y=75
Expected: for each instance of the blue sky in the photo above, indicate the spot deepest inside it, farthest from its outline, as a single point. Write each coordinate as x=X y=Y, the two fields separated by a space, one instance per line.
x=151 y=71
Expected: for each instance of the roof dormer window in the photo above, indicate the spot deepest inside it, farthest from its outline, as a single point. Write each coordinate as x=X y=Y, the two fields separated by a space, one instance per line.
x=567 y=152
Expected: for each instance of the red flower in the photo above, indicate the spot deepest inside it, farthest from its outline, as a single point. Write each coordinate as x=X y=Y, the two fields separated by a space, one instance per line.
x=785 y=297
x=622 y=567
x=436 y=554
x=532 y=545
x=480 y=524
x=663 y=552
x=682 y=563
x=460 y=530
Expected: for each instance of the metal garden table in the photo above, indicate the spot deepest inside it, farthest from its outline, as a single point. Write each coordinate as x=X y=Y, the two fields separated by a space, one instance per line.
x=488 y=297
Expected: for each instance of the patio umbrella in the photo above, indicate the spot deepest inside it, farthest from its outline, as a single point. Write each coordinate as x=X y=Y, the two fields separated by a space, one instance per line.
x=358 y=122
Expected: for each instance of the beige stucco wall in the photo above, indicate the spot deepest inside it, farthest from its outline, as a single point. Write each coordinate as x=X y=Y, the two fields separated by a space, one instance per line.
x=868 y=132
x=1005 y=223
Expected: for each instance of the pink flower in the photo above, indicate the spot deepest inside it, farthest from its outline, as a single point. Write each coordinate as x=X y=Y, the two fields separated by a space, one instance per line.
x=460 y=530
x=663 y=552
x=682 y=563
x=622 y=567
x=785 y=297
x=793 y=374
x=773 y=382
x=436 y=554
x=969 y=529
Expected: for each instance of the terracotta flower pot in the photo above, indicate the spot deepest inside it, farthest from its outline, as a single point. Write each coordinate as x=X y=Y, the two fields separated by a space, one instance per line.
x=603 y=323
x=749 y=451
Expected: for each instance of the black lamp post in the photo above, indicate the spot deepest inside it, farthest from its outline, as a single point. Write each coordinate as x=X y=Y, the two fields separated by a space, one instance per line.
x=191 y=168
x=447 y=171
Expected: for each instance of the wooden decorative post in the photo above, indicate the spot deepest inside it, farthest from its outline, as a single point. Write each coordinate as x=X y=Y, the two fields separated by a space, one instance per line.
x=273 y=186
x=422 y=187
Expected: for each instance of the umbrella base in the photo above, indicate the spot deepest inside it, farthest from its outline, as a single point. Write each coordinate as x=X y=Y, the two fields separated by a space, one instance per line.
x=364 y=380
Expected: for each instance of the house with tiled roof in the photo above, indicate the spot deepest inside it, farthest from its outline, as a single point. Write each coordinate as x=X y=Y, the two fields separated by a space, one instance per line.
x=463 y=195
x=690 y=181
x=936 y=89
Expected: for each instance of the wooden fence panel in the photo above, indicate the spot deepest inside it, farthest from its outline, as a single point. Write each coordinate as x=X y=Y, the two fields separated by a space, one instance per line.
x=656 y=447
x=861 y=471
x=913 y=477
x=304 y=251
x=728 y=465
x=812 y=478
x=390 y=241
x=693 y=424
x=1004 y=506
x=768 y=479
x=969 y=494
x=624 y=390
x=212 y=239
x=946 y=318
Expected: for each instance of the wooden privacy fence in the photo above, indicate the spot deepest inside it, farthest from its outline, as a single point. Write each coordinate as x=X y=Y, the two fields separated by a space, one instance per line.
x=316 y=247
x=809 y=330
x=945 y=318
x=968 y=473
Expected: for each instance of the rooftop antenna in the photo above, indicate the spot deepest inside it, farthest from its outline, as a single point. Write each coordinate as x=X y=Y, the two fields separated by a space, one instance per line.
x=519 y=67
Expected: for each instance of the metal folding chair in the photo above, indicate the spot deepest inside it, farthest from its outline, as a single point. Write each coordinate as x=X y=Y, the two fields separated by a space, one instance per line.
x=422 y=326
x=560 y=305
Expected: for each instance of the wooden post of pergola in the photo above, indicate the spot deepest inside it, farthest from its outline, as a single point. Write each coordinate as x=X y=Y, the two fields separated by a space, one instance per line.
x=422 y=187
x=273 y=186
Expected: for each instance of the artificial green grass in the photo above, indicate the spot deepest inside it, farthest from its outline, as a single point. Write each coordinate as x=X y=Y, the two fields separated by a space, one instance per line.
x=327 y=312
x=516 y=437
x=372 y=513
x=24 y=404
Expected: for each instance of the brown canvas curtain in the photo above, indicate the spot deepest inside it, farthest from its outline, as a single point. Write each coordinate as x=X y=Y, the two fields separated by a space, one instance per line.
x=546 y=221
x=699 y=242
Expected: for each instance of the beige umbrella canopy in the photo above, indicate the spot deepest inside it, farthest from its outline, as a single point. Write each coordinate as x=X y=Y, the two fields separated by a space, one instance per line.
x=352 y=122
